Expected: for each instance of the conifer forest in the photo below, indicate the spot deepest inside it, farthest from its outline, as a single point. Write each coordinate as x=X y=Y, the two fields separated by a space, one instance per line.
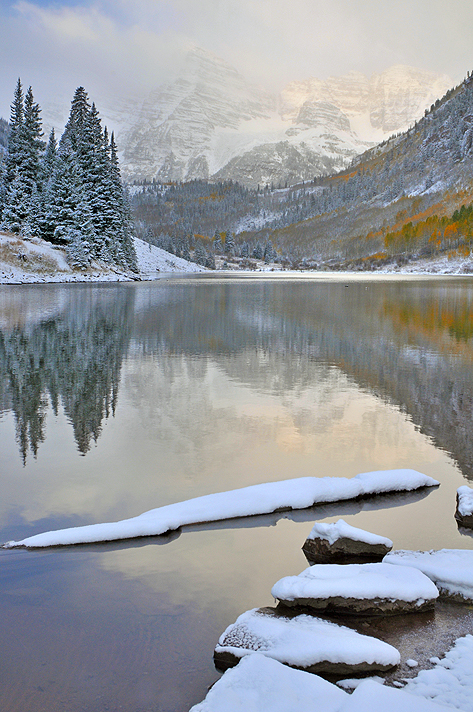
x=68 y=192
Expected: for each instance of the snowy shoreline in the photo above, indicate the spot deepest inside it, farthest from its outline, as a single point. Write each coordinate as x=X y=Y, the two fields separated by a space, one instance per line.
x=35 y=261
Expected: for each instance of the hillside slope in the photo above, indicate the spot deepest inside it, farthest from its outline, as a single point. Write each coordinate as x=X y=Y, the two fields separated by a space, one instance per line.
x=399 y=197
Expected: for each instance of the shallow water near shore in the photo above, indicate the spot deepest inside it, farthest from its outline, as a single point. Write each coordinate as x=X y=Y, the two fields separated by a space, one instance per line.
x=115 y=399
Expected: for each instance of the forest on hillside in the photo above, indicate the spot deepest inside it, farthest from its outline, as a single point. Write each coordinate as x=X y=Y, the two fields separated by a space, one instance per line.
x=397 y=201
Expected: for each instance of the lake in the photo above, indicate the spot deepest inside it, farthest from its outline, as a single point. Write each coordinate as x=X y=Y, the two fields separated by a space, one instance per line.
x=115 y=399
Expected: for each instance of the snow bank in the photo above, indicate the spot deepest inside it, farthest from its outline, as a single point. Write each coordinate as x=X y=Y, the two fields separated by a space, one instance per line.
x=305 y=642
x=152 y=259
x=32 y=260
x=342 y=530
x=465 y=501
x=257 y=499
x=370 y=696
x=451 y=680
x=450 y=569
x=260 y=684
x=356 y=581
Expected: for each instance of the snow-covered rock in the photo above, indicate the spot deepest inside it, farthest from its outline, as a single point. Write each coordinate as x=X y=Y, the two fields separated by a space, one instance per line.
x=261 y=684
x=450 y=569
x=305 y=642
x=359 y=589
x=264 y=498
x=340 y=543
x=464 y=510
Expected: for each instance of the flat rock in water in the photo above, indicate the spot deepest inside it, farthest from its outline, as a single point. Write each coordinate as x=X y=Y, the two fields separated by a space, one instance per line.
x=303 y=642
x=358 y=589
x=261 y=684
x=340 y=543
x=451 y=570
x=464 y=510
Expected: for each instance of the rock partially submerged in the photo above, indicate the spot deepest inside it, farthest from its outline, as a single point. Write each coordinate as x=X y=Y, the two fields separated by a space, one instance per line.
x=358 y=589
x=340 y=543
x=303 y=642
x=464 y=511
x=299 y=493
x=451 y=570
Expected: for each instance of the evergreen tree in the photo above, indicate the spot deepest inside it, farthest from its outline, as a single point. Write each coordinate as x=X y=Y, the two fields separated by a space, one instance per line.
x=210 y=261
x=69 y=193
x=229 y=243
x=200 y=255
x=34 y=145
x=217 y=243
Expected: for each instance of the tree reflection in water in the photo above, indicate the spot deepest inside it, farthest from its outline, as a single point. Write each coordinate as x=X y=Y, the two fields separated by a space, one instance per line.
x=72 y=359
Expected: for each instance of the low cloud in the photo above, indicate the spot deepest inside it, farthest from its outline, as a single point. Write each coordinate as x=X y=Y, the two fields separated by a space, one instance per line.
x=127 y=47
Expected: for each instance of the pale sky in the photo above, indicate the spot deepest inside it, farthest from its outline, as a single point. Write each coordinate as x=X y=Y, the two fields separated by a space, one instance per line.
x=123 y=47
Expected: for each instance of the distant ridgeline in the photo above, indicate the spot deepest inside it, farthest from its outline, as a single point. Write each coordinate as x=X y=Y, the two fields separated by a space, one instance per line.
x=69 y=193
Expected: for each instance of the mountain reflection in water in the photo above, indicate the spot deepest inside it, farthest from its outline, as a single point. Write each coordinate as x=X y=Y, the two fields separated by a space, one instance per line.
x=407 y=342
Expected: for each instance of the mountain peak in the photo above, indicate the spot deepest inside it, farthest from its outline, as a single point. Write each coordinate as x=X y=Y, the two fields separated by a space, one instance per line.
x=204 y=64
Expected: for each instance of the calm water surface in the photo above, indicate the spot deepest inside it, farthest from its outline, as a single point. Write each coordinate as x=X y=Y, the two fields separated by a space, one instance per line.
x=116 y=399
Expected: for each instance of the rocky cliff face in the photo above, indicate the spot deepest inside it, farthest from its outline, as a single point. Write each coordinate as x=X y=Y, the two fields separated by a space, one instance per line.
x=211 y=122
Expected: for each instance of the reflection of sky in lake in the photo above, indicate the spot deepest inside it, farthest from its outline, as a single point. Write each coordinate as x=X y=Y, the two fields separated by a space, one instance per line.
x=216 y=387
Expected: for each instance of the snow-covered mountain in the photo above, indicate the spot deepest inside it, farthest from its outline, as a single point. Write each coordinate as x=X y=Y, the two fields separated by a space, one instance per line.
x=211 y=122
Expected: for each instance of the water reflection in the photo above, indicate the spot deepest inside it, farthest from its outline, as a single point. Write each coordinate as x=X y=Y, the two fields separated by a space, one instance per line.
x=214 y=385
x=72 y=357
x=408 y=342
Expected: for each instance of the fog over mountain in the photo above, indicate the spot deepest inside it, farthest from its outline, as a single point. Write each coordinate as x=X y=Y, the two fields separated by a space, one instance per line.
x=212 y=122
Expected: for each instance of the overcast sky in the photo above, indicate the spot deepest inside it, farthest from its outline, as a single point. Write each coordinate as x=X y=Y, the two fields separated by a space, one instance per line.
x=126 y=46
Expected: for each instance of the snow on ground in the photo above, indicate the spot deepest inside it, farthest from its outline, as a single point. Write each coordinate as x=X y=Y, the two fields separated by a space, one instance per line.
x=260 y=684
x=152 y=259
x=32 y=260
x=357 y=581
x=443 y=264
x=342 y=530
x=450 y=569
x=370 y=696
x=465 y=501
x=450 y=682
x=304 y=641
x=265 y=498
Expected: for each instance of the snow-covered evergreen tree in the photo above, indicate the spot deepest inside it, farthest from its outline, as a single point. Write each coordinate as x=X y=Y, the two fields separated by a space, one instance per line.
x=229 y=243
x=200 y=255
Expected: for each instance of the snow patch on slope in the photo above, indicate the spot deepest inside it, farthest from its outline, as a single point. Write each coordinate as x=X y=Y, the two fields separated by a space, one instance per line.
x=32 y=260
